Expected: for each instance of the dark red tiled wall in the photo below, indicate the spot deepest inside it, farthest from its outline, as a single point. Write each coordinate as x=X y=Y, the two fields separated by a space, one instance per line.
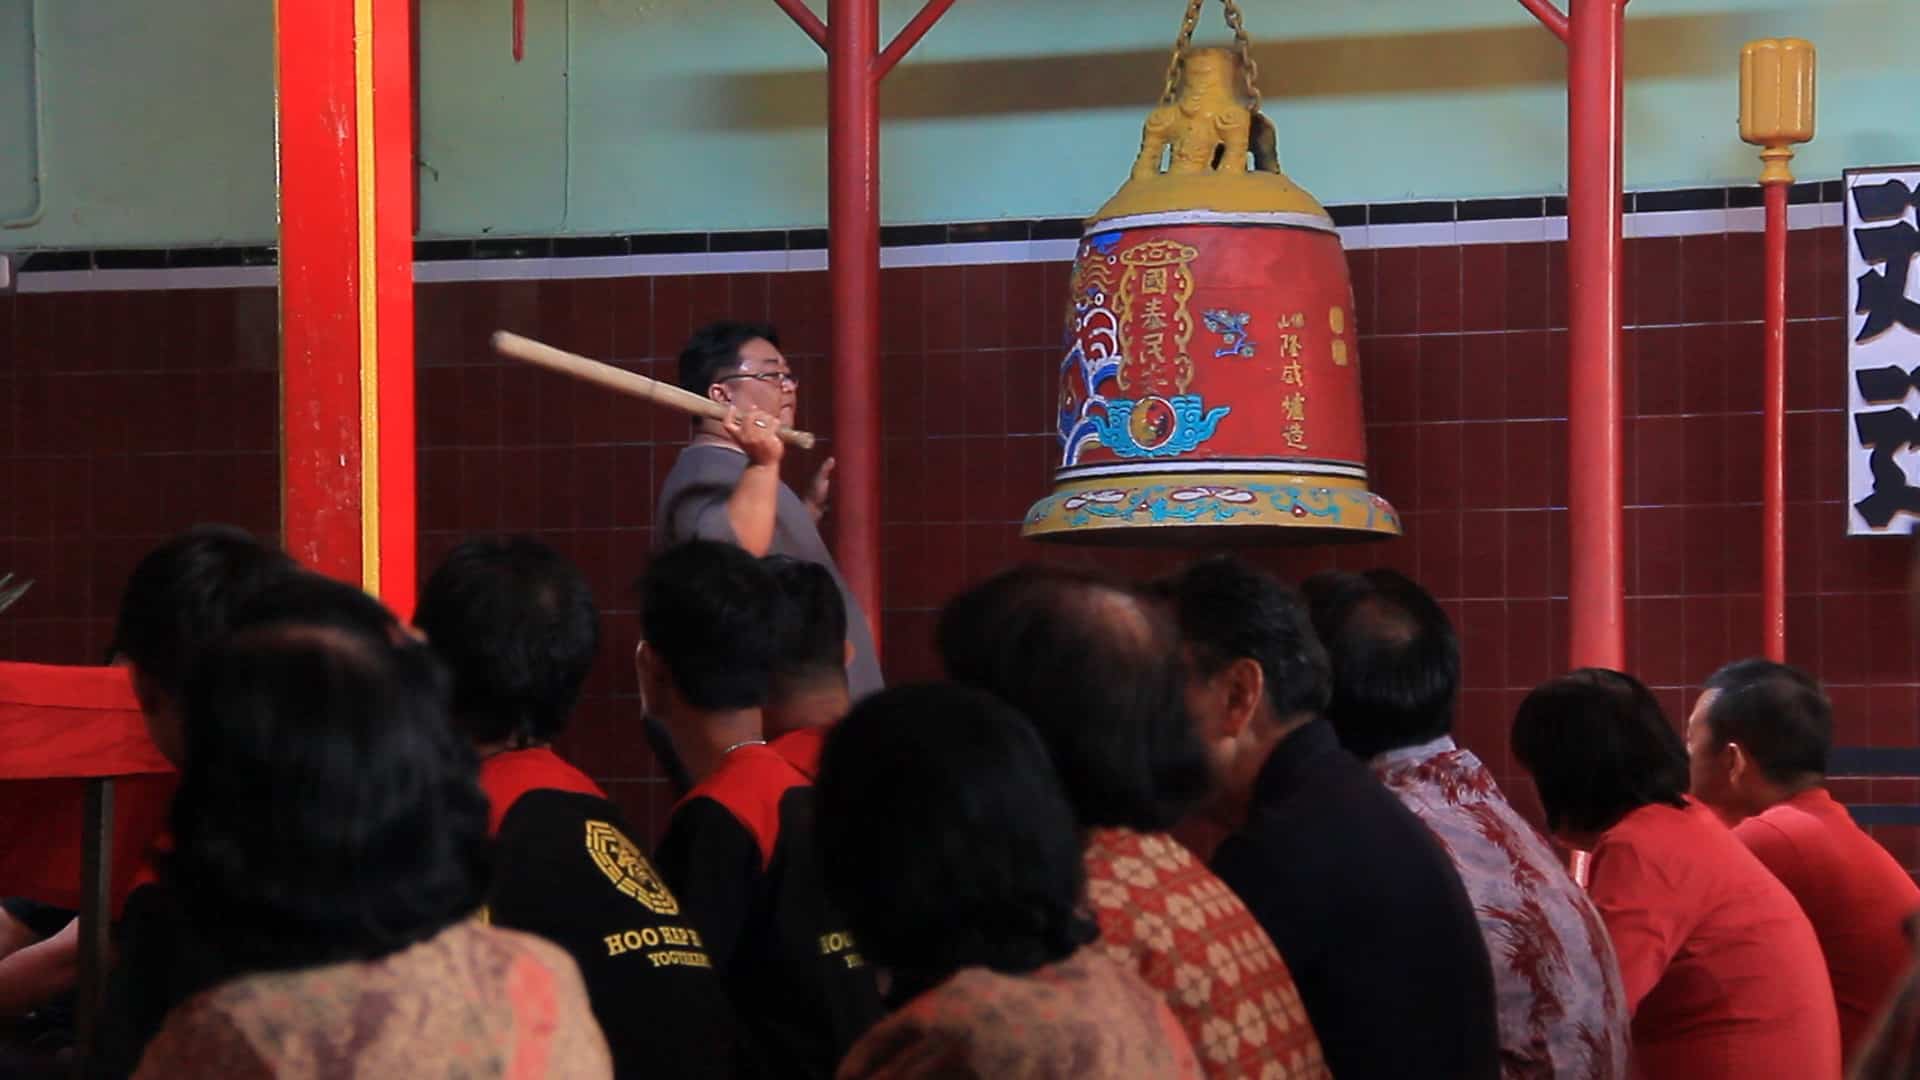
x=125 y=417
x=130 y=415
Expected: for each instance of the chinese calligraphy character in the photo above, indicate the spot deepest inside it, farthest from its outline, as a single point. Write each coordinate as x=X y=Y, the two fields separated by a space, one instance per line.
x=1294 y=406
x=1886 y=384
x=1881 y=294
x=1887 y=432
x=1289 y=343
x=1156 y=344
x=1154 y=315
x=1153 y=279
x=1296 y=436
x=1293 y=374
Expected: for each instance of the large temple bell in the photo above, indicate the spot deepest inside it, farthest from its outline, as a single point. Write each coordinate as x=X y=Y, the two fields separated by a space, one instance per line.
x=1210 y=390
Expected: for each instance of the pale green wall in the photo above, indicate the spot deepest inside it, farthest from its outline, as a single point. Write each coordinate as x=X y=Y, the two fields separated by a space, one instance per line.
x=648 y=115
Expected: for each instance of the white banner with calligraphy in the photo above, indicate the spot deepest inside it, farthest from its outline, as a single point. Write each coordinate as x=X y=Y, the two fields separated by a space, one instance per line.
x=1883 y=350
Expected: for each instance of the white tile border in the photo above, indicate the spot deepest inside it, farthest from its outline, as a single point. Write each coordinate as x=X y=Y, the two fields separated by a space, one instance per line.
x=999 y=252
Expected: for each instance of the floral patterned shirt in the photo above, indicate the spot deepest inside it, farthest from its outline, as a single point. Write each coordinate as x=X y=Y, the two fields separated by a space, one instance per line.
x=1084 y=1017
x=1164 y=915
x=472 y=1002
x=1562 y=1011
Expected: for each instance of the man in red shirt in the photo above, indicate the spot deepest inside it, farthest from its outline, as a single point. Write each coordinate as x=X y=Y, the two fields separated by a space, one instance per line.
x=1757 y=745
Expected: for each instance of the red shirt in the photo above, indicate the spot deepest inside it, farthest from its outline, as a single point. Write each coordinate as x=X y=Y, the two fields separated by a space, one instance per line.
x=1166 y=917
x=802 y=749
x=508 y=775
x=1721 y=968
x=1854 y=893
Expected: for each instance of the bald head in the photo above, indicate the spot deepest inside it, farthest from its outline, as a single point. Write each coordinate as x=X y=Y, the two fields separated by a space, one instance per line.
x=1096 y=669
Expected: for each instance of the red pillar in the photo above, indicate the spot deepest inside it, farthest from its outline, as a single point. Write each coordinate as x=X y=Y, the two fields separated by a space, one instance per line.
x=853 y=258
x=1592 y=30
x=345 y=125
x=1773 y=434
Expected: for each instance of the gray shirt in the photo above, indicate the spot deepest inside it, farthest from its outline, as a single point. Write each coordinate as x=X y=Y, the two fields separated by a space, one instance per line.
x=693 y=506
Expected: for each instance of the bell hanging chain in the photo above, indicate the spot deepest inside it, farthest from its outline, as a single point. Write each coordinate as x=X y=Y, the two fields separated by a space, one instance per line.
x=1242 y=47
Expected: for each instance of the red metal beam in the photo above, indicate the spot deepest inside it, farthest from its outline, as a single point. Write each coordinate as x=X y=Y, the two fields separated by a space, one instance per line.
x=853 y=257
x=909 y=36
x=1773 y=433
x=801 y=14
x=1549 y=16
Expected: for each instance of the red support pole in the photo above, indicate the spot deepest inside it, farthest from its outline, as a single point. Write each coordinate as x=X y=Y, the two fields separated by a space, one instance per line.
x=345 y=127
x=1594 y=260
x=853 y=256
x=1773 y=532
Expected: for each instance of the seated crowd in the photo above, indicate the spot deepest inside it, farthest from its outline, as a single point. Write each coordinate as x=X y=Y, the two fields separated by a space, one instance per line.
x=379 y=864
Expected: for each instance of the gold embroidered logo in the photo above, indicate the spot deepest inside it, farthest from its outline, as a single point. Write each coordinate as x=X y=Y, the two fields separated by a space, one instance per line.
x=629 y=870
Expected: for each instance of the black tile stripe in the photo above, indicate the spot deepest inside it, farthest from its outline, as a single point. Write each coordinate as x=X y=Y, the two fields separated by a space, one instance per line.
x=1410 y=213
x=671 y=243
x=1502 y=209
x=1059 y=228
x=1686 y=199
x=527 y=247
x=442 y=250
x=667 y=243
x=763 y=240
x=1803 y=194
x=44 y=261
x=912 y=235
x=565 y=247
x=131 y=259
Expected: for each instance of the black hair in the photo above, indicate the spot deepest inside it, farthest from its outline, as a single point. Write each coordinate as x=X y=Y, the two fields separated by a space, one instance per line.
x=715 y=348
x=310 y=599
x=707 y=610
x=327 y=811
x=1599 y=747
x=1776 y=713
x=1230 y=611
x=1395 y=657
x=810 y=625
x=515 y=624
x=1097 y=669
x=181 y=598
x=946 y=839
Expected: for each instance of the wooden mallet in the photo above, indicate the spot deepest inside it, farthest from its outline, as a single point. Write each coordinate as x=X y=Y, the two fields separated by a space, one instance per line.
x=623 y=381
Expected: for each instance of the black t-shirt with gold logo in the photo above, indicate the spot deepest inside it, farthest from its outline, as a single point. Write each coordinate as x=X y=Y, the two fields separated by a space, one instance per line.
x=739 y=853
x=567 y=869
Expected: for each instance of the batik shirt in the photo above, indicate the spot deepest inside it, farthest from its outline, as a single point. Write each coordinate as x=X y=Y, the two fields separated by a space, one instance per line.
x=1165 y=916
x=1562 y=1012
x=472 y=1001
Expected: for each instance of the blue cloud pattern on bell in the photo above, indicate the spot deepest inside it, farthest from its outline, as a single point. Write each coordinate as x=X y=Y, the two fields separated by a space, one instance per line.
x=1157 y=426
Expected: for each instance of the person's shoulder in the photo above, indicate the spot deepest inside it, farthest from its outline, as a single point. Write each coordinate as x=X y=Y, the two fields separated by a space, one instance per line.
x=517 y=947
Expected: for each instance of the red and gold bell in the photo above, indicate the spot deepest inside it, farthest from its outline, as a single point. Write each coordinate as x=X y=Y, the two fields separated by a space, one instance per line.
x=1211 y=382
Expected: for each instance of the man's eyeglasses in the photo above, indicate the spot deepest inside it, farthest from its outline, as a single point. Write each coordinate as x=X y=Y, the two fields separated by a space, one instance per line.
x=785 y=380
